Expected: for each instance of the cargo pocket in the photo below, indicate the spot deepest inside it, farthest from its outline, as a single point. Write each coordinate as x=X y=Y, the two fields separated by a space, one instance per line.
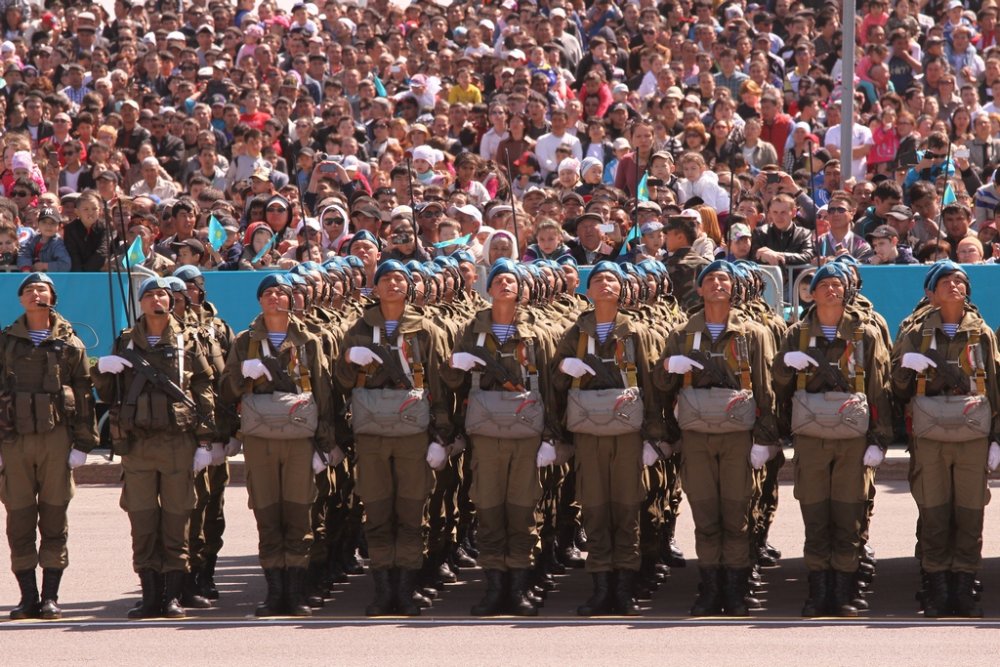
x=159 y=410
x=24 y=414
x=143 y=415
x=183 y=416
x=45 y=413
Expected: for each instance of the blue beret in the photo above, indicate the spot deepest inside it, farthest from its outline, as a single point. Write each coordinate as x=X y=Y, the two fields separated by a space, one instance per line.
x=463 y=256
x=941 y=269
x=175 y=284
x=604 y=266
x=36 y=277
x=151 y=284
x=502 y=265
x=188 y=273
x=828 y=270
x=717 y=265
x=391 y=266
x=365 y=235
x=273 y=280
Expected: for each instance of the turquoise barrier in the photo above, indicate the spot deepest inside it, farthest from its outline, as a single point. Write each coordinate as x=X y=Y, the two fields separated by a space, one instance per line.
x=83 y=297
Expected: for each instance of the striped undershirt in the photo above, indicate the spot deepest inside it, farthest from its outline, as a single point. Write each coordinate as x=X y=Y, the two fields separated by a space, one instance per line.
x=715 y=330
x=152 y=340
x=38 y=335
x=829 y=332
x=503 y=332
x=950 y=330
x=604 y=330
x=390 y=327
x=276 y=339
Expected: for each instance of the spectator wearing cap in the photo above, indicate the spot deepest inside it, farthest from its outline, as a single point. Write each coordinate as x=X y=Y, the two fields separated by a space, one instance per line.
x=190 y=252
x=653 y=244
x=887 y=249
x=75 y=90
x=589 y=246
x=527 y=174
x=258 y=240
x=45 y=250
x=840 y=240
x=740 y=239
x=131 y=135
x=85 y=237
x=591 y=176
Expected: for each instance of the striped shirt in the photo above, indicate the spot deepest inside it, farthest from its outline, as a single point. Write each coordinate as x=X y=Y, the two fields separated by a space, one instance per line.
x=715 y=330
x=503 y=332
x=390 y=327
x=276 y=339
x=604 y=330
x=38 y=335
x=152 y=340
x=829 y=332
x=950 y=330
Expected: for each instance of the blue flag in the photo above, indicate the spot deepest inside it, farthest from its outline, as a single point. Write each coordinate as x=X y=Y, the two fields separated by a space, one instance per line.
x=949 y=195
x=461 y=240
x=264 y=250
x=642 y=191
x=634 y=236
x=216 y=234
x=134 y=256
x=379 y=87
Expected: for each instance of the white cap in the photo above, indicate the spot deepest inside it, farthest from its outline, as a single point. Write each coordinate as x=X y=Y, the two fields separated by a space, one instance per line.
x=401 y=211
x=469 y=209
x=176 y=35
x=558 y=11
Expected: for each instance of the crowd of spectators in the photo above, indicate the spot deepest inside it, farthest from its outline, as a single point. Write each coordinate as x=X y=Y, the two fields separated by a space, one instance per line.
x=237 y=135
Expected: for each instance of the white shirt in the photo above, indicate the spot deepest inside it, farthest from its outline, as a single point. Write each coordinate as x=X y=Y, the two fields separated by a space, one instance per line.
x=546 y=147
x=862 y=136
x=491 y=141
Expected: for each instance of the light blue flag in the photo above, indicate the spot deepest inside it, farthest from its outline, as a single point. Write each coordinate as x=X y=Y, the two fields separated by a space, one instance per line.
x=949 y=195
x=642 y=191
x=134 y=256
x=634 y=236
x=216 y=234
x=461 y=240
x=264 y=250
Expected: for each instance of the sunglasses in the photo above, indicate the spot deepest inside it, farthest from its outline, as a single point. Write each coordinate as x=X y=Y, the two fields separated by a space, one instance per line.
x=836 y=209
x=333 y=221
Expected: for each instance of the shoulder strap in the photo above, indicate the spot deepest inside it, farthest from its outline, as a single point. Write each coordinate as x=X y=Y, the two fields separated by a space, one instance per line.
x=802 y=378
x=974 y=353
x=582 y=345
x=692 y=342
x=927 y=342
x=253 y=352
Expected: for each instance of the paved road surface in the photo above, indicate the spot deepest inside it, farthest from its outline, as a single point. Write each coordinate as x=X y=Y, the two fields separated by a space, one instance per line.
x=99 y=588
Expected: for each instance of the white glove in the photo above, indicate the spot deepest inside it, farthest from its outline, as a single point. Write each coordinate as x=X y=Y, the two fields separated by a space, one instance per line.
x=457 y=446
x=233 y=447
x=546 y=454
x=680 y=364
x=255 y=369
x=362 y=356
x=917 y=362
x=218 y=453
x=336 y=456
x=76 y=458
x=437 y=455
x=575 y=367
x=649 y=454
x=799 y=360
x=464 y=361
x=993 y=459
x=319 y=465
x=874 y=456
x=112 y=363
x=202 y=459
x=759 y=455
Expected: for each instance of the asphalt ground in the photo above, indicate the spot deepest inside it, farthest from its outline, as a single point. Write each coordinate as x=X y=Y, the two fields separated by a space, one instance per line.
x=99 y=588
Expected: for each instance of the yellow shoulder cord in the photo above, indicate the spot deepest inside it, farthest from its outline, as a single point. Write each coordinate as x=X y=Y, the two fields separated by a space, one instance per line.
x=741 y=355
x=412 y=353
x=802 y=378
x=295 y=363
x=581 y=351
x=626 y=361
x=974 y=354
x=859 y=360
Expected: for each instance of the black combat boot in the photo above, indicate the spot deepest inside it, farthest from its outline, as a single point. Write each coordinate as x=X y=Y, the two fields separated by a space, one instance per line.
x=191 y=596
x=670 y=554
x=625 y=603
x=349 y=559
x=569 y=552
x=405 y=584
x=734 y=591
x=518 y=601
x=601 y=599
x=709 y=600
x=492 y=602
x=963 y=594
x=206 y=578
x=51 y=577
x=29 y=606
x=173 y=592
x=550 y=559
x=295 y=591
x=315 y=586
x=818 y=602
x=842 y=594
x=275 y=598
x=936 y=603
x=461 y=557
x=382 y=604
x=151 y=605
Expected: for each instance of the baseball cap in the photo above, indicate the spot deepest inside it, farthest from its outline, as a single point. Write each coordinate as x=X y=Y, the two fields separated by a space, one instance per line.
x=882 y=232
x=739 y=231
x=195 y=245
x=899 y=212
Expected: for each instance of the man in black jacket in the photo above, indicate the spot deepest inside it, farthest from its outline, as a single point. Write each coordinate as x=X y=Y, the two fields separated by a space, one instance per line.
x=781 y=242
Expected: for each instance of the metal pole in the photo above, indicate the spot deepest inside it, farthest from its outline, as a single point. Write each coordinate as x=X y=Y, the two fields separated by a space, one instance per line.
x=847 y=92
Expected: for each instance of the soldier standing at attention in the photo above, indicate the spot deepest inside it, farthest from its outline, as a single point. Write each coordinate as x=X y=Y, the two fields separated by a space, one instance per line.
x=277 y=369
x=49 y=415
x=831 y=381
x=159 y=385
x=944 y=368
x=506 y=420
x=601 y=379
x=391 y=367
x=716 y=369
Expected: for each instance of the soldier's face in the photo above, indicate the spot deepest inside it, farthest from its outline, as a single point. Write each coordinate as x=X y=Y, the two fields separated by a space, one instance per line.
x=274 y=300
x=829 y=292
x=605 y=286
x=392 y=287
x=155 y=302
x=951 y=288
x=717 y=287
x=36 y=296
x=504 y=288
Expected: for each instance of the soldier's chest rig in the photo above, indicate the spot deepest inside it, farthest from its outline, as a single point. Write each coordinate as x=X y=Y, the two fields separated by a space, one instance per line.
x=709 y=403
x=37 y=409
x=517 y=410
